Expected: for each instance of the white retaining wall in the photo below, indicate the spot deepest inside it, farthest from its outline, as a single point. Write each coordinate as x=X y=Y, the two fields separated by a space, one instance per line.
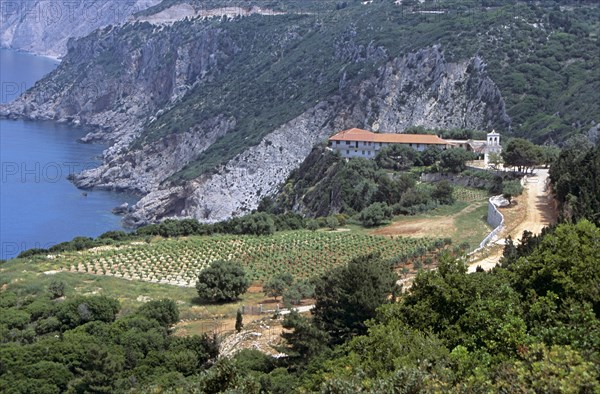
x=494 y=219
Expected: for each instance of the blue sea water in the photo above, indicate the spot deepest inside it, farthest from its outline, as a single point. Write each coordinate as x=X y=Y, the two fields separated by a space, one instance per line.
x=39 y=207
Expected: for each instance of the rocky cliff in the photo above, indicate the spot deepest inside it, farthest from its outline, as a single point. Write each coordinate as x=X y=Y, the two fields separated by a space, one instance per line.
x=44 y=27
x=123 y=82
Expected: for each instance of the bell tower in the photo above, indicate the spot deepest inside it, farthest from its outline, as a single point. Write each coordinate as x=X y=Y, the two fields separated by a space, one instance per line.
x=492 y=146
x=493 y=139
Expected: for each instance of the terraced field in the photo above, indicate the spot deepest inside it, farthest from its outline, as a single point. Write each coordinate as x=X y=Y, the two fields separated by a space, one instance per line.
x=304 y=254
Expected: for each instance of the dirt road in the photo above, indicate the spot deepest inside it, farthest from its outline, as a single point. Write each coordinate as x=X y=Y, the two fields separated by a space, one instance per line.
x=539 y=213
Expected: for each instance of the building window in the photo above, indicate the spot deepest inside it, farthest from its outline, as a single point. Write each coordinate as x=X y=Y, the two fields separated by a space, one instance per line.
x=347 y=152
x=363 y=152
x=347 y=142
x=337 y=142
x=410 y=145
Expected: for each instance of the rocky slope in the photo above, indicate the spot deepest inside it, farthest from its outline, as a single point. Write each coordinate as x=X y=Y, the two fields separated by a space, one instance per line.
x=44 y=27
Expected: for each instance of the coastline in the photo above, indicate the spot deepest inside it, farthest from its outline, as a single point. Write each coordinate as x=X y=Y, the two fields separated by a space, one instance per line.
x=56 y=58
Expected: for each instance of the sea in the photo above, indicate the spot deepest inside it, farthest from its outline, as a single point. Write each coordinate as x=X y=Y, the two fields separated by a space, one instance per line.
x=39 y=206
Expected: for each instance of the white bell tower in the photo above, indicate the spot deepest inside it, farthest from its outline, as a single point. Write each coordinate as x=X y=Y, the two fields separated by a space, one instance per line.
x=493 y=139
x=492 y=146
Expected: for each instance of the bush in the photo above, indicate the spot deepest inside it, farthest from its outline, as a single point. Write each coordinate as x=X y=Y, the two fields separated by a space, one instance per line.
x=223 y=281
x=332 y=222
x=443 y=192
x=253 y=360
x=342 y=219
x=511 y=189
x=396 y=157
x=163 y=311
x=454 y=160
x=299 y=291
x=32 y=252
x=312 y=225
x=276 y=286
x=239 y=321
x=430 y=155
x=41 y=307
x=45 y=326
x=255 y=224
x=375 y=214
x=80 y=310
x=57 y=288
x=14 y=318
x=115 y=235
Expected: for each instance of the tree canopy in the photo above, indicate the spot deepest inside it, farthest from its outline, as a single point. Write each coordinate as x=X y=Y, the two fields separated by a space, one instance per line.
x=350 y=295
x=455 y=160
x=222 y=281
x=575 y=178
x=530 y=326
x=522 y=154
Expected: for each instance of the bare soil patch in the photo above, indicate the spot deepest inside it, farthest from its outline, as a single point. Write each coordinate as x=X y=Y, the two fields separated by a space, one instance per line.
x=438 y=226
x=419 y=227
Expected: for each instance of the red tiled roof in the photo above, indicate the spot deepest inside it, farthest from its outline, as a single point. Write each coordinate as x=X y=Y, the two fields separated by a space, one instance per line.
x=392 y=138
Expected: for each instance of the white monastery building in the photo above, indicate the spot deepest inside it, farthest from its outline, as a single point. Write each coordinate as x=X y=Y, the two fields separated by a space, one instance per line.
x=362 y=143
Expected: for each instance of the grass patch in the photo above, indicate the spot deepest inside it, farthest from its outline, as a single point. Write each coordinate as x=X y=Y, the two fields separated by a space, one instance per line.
x=471 y=227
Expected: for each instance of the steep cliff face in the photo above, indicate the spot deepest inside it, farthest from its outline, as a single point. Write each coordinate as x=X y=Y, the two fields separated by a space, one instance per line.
x=143 y=170
x=44 y=27
x=441 y=95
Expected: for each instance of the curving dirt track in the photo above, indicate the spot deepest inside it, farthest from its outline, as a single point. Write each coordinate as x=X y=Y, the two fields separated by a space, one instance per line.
x=540 y=212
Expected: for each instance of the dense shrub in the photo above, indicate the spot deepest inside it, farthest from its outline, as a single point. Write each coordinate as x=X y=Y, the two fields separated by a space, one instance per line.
x=80 y=310
x=164 y=311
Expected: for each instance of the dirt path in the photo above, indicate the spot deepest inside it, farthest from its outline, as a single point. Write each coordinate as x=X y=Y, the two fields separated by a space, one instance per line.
x=540 y=206
x=539 y=213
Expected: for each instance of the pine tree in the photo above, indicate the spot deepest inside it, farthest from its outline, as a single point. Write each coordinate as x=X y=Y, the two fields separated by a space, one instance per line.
x=239 y=324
